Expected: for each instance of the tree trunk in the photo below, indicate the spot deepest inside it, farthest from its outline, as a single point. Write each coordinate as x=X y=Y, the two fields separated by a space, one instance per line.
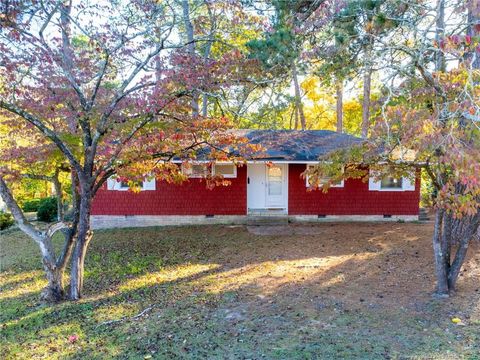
x=367 y=83
x=83 y=239
x=339 y=88
x=440 y=64
x=451 y=232
x=298 y=98
x=206 y=55
x=58 y=192
x=54 y=291
x=191 y=49
x=469 y=229
x=295 y=124
x=440 y=263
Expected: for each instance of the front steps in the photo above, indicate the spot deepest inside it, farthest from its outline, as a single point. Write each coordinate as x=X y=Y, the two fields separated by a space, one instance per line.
x=267 y=217
x=266 y=220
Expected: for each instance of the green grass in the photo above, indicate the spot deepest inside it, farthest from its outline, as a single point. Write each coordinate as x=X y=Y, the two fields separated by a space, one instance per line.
x=219 y=292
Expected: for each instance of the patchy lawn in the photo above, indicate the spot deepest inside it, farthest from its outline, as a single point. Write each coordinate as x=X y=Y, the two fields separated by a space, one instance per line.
x=322 y=291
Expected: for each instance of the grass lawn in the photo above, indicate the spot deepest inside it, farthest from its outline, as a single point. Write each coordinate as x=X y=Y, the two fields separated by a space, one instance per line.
x=327 y=291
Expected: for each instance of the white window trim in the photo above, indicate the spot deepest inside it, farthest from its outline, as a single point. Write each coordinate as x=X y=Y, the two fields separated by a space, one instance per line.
x=114 y=185
x=228 y=176
x=340 y=185
x=407 y=184
x=188 y=171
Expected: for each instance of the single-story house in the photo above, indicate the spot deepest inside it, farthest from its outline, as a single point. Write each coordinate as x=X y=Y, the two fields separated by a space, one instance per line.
x=268 y=186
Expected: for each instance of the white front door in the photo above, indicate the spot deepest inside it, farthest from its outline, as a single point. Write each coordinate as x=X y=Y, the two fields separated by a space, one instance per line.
x=267 y=186
x=276 y=186
x=256 y=186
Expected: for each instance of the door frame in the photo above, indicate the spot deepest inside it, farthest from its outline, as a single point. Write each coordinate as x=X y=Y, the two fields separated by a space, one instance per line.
x=285 y=167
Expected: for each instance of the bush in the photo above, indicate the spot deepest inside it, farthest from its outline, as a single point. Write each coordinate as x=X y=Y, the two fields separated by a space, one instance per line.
x=31 y=205
x=47 y=209
x=6 y=220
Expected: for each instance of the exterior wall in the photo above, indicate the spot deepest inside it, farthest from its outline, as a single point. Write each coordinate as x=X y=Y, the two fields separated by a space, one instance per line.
x=190 y=198
x=353 y=199
x=189 y=202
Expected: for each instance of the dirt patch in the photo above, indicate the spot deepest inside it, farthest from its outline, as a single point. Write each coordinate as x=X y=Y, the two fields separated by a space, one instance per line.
x=365 y=263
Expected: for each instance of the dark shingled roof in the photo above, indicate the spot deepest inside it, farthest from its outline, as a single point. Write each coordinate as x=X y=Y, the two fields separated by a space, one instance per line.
x=297 y=145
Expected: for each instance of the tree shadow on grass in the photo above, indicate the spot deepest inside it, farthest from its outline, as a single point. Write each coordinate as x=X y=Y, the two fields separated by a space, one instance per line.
x=222 y=292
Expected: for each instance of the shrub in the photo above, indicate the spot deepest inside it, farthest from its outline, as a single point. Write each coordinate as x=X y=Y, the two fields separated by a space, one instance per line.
x=47 y=209
x=6 y=220
x=31 y=205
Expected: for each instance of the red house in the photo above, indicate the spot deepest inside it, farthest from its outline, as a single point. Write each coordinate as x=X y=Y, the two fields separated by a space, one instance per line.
x=270 y=186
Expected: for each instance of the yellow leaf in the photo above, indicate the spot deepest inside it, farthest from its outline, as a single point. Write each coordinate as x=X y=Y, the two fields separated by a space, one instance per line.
x=456 y=320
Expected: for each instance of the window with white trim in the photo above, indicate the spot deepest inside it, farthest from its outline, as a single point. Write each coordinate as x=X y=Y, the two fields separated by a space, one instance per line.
x=390 y=183
x=195 y=170
x=113 y=184
x=324 y=180
x=226 y=170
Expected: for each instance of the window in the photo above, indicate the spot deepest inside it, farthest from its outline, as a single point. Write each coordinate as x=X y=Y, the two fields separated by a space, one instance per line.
x=226 y=170
x=324 y=180
x=378 y=182
x=195 y=170
x=275 y=180
x=113 y=184
x=390 y=182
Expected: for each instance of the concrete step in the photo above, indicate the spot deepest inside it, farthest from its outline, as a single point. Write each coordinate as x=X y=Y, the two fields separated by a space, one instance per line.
x=258 y=220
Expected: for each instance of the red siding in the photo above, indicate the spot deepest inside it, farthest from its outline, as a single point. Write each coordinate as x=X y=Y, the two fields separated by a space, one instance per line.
x=190 y=198
x=193 y=198
x=353 y=199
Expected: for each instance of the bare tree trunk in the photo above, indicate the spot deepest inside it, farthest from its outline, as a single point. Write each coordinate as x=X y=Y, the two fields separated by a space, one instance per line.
x=191 y=49
x=55 y=290
x=440 y=63
x=205 y=105
x=65 y=23
x=290 y=122
x=83 y=239
x=298 y=98
x=440 y=263
x=449 y=232
x=339 y=88
x=446 y=245
x=208 y=49
x=295 y=124
x=367 y=83
x=469 y=227
x=58 y=192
